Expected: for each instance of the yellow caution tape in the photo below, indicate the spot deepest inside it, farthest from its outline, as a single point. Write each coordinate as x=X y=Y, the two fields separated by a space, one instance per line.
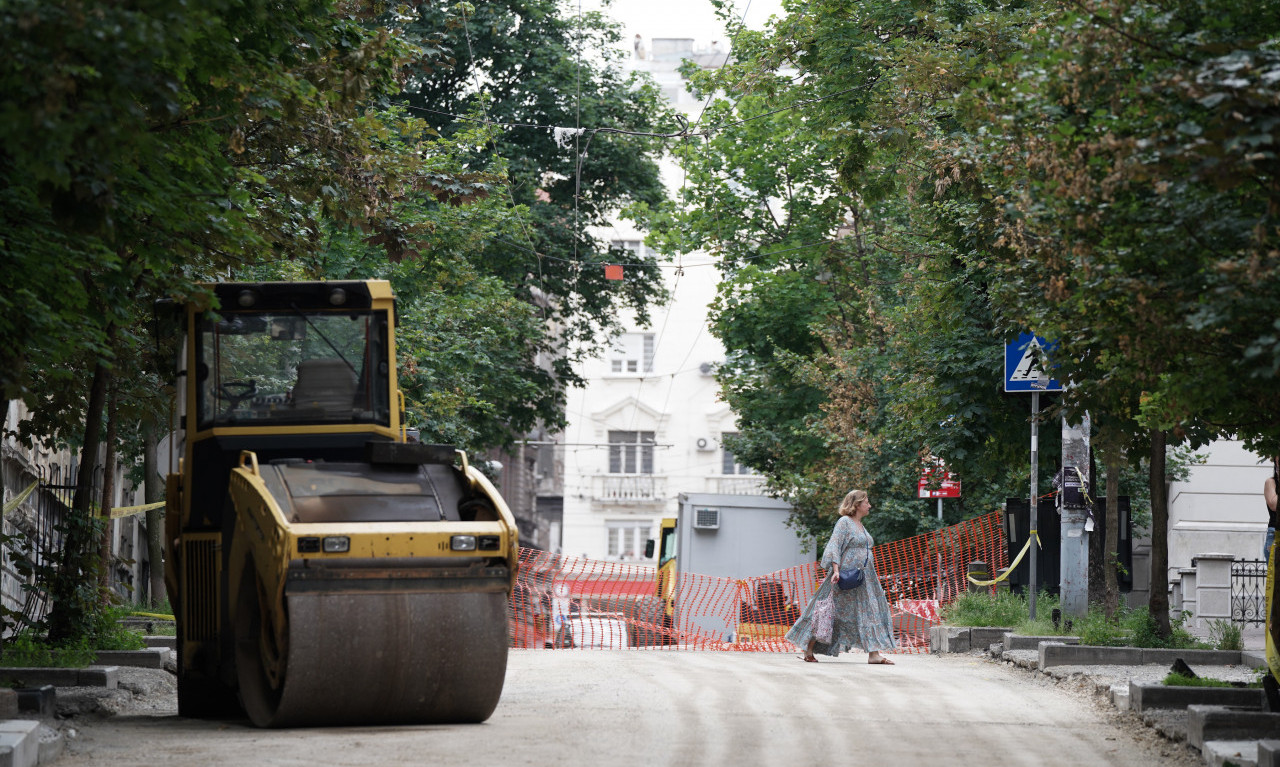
x=1035 y=536
x=158 y=616
x=116 y=513
x=129 y=511
x=19 y=498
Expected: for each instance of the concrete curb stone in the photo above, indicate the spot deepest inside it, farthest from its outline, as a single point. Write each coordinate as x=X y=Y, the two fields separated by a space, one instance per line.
x=1207 y=723
x=1269 y=753
x=1014 y=641
x=949 y=639
x=19 y=743
x=51 y=744
x=167 y=642
x=90 y=676
x=1055 y=654
x=1146 y=696
x=40 y=701
x=1237 y=753
x=152 y=657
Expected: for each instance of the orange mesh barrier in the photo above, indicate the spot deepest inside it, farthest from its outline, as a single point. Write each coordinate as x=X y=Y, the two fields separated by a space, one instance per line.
x=570 y=602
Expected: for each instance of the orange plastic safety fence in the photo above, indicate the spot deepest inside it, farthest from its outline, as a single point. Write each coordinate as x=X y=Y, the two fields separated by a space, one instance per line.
x=571 y=602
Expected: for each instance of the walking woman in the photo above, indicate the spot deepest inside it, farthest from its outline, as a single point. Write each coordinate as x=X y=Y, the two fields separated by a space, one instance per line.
x=862 y=616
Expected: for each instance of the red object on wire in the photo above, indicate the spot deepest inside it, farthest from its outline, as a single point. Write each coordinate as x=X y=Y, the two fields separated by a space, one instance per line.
x=613 y=271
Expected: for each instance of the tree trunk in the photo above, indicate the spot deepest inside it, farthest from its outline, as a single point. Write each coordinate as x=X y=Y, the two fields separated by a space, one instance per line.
x=154 y=488
x=1097 y=536
x=79 y=560
x=1158 y=601
x=108 y=495
x=1112 y=455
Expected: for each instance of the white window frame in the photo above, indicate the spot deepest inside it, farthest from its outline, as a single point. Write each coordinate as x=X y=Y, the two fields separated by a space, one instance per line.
x=625 y=538
x=631 y=452
x=632 y=354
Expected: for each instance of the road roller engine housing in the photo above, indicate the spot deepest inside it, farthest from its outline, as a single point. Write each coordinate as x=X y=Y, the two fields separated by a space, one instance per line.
x=322 y=569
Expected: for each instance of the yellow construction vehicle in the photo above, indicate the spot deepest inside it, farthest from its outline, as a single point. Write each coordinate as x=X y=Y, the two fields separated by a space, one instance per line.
x=323 y=569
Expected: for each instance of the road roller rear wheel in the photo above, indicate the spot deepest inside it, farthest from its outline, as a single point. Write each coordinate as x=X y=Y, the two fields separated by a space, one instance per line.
x=260 y=663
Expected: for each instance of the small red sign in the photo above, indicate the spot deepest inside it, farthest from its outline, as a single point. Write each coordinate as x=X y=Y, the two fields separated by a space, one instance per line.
x=932 y=486
x=613 y=271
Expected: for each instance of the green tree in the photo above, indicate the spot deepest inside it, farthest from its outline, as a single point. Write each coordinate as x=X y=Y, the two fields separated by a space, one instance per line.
x=148 y=146
x=869 y=344
x=1135 y=215
x=528 y=66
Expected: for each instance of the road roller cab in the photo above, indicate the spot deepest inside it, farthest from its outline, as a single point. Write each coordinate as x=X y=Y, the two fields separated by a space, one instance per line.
x=322 y=569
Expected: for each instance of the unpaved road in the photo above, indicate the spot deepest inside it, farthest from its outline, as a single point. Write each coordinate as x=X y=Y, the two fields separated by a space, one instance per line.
x=569 y=708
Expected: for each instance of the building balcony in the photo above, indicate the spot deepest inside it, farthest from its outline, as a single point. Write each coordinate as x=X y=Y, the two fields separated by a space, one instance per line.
x=629 y=488
x=736 y=484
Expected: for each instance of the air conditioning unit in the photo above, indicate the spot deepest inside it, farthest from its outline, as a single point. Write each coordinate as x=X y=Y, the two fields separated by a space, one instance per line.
x=706 y=518
x=705 y=444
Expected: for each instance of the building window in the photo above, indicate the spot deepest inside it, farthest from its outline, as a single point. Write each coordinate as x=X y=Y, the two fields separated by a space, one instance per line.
x=633 y=353
x=631 y=452
x=634 y=247
x=627 y=539
x=730 y=464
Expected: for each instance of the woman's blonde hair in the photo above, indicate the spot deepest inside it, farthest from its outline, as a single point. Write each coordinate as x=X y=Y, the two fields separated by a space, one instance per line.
x=851 y=502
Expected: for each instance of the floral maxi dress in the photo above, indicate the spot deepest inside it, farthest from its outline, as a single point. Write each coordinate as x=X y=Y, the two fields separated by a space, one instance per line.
x=862 y=618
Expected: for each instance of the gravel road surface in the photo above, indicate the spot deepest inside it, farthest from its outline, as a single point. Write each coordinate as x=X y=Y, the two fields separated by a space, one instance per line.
x=575 y=707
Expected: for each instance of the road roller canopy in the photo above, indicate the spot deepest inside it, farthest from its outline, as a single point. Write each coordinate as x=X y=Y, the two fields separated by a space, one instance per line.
x=303 y=356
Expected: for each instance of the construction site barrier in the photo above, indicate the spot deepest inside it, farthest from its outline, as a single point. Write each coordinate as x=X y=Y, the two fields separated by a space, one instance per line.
x=573 y=602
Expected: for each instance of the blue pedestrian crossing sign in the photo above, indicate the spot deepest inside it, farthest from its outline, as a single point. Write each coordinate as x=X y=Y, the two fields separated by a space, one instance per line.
x=1023 y=360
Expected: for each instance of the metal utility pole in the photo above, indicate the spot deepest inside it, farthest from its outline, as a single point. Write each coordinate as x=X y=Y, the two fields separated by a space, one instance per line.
x=1073 y=491
x=1034 y=508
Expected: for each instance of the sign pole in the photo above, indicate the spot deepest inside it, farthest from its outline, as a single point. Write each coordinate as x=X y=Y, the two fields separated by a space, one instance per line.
x=939 y=508
x=1035 y=507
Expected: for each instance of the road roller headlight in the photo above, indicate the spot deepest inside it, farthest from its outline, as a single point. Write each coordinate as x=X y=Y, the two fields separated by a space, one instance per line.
x=463 y=543
x=337 y=544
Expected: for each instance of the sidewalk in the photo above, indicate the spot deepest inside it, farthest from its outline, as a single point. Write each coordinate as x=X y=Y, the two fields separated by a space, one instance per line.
x=1234 y=740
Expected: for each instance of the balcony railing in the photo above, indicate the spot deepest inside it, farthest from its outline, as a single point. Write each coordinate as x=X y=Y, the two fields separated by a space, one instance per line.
x=629 y=488
x=736 y=484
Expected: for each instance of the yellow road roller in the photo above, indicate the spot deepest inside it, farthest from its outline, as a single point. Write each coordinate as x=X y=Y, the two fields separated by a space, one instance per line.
x=324 y=569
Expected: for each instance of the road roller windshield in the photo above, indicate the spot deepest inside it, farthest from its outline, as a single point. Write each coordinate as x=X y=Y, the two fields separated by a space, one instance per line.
x=260 y=368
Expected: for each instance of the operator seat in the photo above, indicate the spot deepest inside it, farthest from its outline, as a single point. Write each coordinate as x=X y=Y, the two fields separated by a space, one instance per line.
x=327 y=384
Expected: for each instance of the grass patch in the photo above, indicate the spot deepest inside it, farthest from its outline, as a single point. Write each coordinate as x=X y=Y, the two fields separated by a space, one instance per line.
x=1175 y=679
x=1131 y=627
x=1226 y=635
x=31 y=650
x=110 y=634
x=1135 y=627
x=1003 y=608
x=26 y=650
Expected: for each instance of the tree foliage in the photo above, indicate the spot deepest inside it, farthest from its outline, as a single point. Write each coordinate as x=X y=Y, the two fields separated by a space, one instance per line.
x=149 y=146
x=1101 y=172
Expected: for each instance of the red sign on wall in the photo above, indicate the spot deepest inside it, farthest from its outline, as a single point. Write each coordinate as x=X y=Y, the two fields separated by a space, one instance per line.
x=938 y=483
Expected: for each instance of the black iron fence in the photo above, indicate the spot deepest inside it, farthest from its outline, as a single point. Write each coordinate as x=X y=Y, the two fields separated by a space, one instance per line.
x=1248 y=591
x=33 y=545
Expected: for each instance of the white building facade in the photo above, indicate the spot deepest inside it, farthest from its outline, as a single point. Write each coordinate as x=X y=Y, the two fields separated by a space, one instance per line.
x=649 y=425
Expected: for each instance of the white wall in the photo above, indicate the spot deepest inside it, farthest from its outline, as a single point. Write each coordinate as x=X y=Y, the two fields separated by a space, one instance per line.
x=1219 y=508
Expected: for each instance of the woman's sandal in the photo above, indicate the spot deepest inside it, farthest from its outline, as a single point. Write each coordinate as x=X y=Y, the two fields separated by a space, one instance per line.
x=808 y=659
x=882 y=662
